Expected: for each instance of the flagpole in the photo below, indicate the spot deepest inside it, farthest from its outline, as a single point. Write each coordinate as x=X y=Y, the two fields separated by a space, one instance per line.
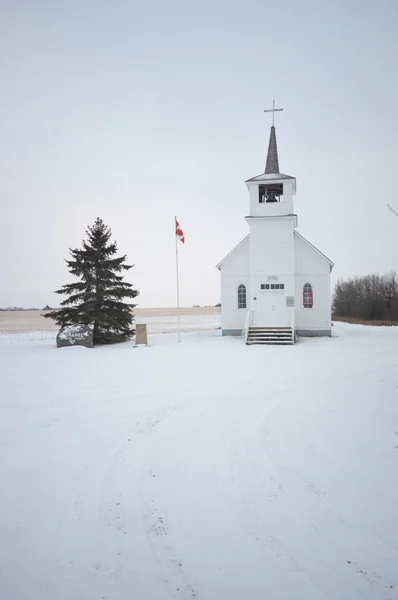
x=178 y=284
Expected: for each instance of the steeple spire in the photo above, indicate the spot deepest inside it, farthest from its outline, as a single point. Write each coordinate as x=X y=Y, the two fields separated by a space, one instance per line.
x=272 y=164
x=272 y=181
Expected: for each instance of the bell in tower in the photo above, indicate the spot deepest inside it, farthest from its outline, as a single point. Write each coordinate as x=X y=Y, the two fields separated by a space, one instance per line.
x=270 y=193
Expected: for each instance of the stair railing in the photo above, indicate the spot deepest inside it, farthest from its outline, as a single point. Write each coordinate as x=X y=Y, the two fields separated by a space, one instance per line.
x=293 y=325
x=248 y=323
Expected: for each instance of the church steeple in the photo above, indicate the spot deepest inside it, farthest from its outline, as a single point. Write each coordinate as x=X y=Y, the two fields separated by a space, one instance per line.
x=272 y=164
x=271 y=187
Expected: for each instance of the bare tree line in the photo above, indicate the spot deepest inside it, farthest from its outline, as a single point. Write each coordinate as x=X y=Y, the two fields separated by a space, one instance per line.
x=369 y=298
x=372 y=297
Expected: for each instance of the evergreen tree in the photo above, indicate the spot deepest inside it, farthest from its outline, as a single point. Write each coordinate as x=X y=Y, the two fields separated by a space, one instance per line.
x=97 y=298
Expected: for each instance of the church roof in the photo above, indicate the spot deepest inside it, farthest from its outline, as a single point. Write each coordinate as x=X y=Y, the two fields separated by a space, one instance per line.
x=270 y=177
x=271 y=172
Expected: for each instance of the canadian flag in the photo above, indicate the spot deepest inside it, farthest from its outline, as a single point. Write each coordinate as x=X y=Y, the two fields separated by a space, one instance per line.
x=179 y=232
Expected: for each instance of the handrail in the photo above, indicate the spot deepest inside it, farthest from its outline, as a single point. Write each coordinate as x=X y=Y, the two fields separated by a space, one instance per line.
x=293 y=324
x=248 y=322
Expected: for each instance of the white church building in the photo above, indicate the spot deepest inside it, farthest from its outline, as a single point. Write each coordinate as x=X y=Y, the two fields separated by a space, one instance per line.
x=275 y=285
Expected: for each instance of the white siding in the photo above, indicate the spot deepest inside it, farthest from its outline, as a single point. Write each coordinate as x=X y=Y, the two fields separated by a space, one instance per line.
x=271 y=254
x=271 y=246
x=235 y=271
x=274 y=248
x=311 y=267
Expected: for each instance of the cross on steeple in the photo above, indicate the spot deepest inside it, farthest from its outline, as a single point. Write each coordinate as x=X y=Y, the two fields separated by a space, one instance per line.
x=273 y=110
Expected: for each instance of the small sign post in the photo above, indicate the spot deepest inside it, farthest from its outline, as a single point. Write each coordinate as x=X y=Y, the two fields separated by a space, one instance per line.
x=141 y=335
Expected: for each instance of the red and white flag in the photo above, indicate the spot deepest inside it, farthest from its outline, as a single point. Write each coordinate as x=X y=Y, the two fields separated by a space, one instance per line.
x=179 y=232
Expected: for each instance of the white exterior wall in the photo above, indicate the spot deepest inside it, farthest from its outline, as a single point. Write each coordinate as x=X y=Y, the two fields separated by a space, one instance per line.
x=311 y=267
x=235 y=270
x=271 y=254
x=275 y=249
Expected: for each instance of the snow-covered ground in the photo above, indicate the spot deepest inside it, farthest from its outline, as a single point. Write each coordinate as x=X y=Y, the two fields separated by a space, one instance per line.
x=169 y=323
x=158 y=320
x=206 y=469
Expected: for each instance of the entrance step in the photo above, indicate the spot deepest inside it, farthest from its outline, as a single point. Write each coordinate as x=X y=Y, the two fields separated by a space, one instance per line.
x=270 y=335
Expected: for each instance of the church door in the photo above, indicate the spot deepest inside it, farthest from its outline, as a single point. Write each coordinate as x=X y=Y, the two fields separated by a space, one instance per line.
x=272 y=311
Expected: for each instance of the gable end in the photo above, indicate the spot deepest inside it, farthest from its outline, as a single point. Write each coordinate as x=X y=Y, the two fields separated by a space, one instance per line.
x=232 y=252
x=331 y=264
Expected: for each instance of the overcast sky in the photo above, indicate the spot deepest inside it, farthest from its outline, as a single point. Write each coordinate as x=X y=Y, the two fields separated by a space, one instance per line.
x=139 y=111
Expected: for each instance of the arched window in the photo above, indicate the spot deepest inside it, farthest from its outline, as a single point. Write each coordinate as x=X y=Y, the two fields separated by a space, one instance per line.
x=308 y=296
x=241 y=296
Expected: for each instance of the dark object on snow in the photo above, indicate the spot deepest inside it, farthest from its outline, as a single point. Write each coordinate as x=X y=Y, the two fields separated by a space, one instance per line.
x=75 y=335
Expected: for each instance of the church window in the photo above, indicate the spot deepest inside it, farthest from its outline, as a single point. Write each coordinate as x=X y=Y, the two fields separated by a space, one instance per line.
x=272 y=286
x=242 y=296
x=308 y=296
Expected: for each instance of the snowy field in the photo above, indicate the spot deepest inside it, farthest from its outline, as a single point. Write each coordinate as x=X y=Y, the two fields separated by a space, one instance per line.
x=158 y=320
x=206 y=469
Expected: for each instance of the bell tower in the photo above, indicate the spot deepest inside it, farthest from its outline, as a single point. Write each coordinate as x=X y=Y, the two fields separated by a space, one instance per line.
x=271 y=193
x=272 y=221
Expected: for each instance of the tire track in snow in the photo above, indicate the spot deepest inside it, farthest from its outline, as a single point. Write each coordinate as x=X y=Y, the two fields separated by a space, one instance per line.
x=282 y=525
x=327 y=515
x=258 y=494
x=233 y=560
x=125 y=519
x=159 y=536
x=255 y=466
